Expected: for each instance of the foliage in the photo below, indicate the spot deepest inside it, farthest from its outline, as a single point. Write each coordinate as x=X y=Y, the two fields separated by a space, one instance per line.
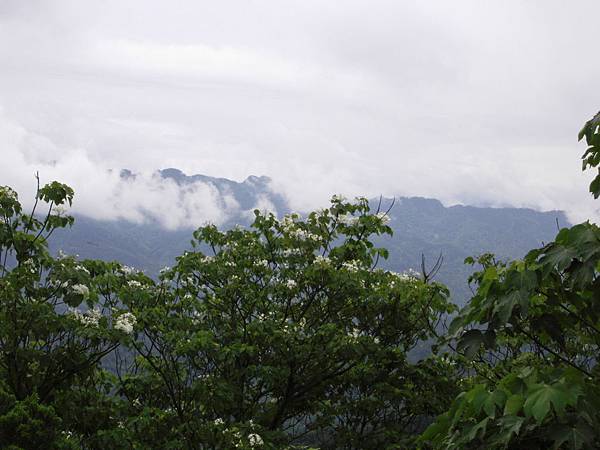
x=288 y=330
x=58 y=319
x=286 y=335
x=591 y=157
x=531 y=336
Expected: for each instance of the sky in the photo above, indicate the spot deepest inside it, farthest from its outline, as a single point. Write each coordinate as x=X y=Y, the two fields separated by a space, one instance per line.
x=469 y=102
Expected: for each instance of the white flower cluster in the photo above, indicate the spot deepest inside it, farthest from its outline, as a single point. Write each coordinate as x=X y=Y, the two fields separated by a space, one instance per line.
x=80 y=268
x=338 y=198
x=187 y=281
x=165 y=269
x=351 y=266
x=57 y=284
x=409 y=275
x=322 y=212
x=206 y=259
x=90 y=318
x=291 y=252
x=128 y=270
x=255 y=440
x=291 y=284
x=322 y=260
x=348 y=219
x=262 y=263
x=125 y=323
x=355 y=333
x=6 y=191
x=303 y=235
x=30 y=265
x=134 y=284
x=384 y=218
x=198 y=317
x=288 y=222
x=81 y=289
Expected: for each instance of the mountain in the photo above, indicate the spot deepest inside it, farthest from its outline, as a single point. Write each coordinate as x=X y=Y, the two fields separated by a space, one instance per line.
x=248 y=193
x=421 y=227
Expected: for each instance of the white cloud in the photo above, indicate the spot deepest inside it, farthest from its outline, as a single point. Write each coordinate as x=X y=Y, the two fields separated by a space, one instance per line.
x=466 y=102
x=102 y=193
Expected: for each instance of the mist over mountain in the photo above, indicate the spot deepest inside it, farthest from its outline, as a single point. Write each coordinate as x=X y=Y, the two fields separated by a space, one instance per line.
x=422 y=227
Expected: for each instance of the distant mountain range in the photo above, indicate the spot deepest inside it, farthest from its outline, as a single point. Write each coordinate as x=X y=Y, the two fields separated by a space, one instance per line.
x=421 y=227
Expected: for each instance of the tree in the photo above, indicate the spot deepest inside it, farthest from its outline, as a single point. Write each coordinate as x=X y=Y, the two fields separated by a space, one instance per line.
x=58 y=319
x=285 y=334
x=531 y=334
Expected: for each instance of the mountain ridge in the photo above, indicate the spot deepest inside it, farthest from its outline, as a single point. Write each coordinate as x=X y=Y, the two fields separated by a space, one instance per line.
x=422 y=227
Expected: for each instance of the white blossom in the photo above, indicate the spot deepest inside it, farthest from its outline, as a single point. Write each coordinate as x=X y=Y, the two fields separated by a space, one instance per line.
x=304 y=235
x=90 y=318
x=81 y=289
x=322 y=260
x=127 y=270
x=348 y=219
x=383 y=217
x=30 y=265
x=291 y=284
x=219 y=421
x=134 y=284
x=355 y=333
x=80 y=268
x=289 y=221
x=6 y=191
x=255 y=440
x=198 y=317
x=351 y=266
x=125 y=323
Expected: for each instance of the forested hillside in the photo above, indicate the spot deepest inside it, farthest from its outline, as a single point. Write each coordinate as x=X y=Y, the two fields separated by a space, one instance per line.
x=420 y=226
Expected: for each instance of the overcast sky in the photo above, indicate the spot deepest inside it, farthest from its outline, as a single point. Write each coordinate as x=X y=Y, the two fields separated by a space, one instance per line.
x=469 y=102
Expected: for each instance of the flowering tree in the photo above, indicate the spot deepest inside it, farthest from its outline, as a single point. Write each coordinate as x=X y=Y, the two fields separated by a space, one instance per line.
x=58 y=319
x=282 y=334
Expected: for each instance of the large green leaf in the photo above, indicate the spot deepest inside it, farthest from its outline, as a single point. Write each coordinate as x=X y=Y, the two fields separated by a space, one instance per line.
x=470 y=342
x=513 y=405
x=541 y=397
x=579 y=436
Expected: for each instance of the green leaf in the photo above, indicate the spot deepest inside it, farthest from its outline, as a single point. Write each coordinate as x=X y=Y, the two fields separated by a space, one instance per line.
x=478 y=430
x=542 y=396
x=510 y=426
x=578 y=436
x=470 y=342
x=495 y=399
x=513 y=405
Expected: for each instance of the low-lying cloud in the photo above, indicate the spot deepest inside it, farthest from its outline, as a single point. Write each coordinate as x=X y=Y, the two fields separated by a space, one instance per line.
x=104 y=194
